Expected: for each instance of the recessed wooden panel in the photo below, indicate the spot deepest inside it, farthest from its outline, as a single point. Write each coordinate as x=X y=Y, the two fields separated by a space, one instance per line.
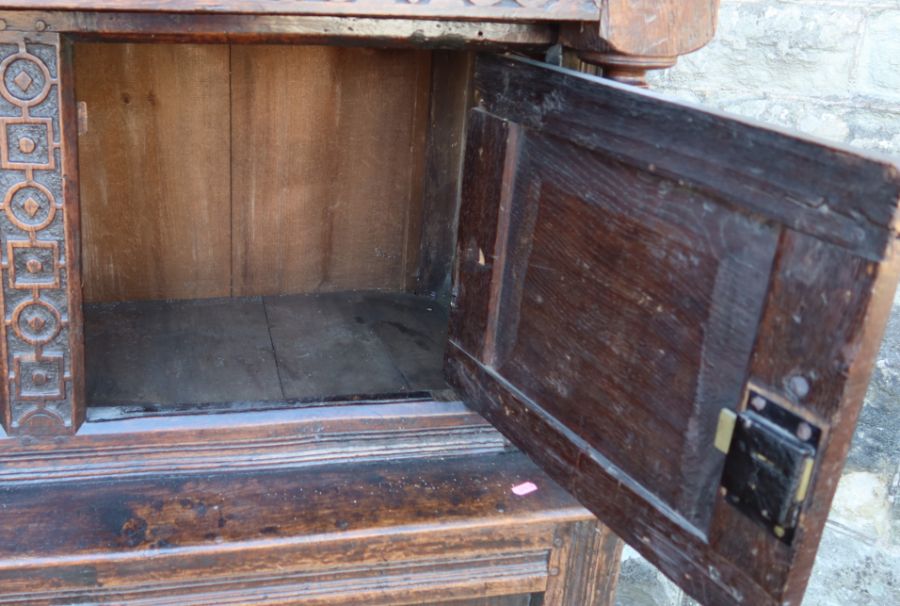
x=327 y=167
x=652 y=262
x=155 y=171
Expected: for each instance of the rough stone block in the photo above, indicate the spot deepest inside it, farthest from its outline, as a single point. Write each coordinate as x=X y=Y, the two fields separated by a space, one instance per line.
x=879 y=63
x=774 y=47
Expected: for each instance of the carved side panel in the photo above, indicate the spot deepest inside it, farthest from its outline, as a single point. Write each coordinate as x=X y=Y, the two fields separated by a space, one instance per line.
x=39 y=332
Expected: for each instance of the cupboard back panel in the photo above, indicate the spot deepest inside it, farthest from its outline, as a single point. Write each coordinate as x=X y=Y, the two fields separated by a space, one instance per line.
x=328 y=151
x=154 y=171
x=217 y=170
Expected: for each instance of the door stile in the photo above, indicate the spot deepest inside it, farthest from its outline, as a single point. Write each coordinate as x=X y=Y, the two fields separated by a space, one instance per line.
x=41 y=333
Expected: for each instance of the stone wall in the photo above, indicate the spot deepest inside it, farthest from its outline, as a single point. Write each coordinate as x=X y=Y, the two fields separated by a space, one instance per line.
x=829 y=68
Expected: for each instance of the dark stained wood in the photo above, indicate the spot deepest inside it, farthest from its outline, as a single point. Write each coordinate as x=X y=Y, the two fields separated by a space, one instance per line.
x=414 y=332
x=818 y=341
x=377 y=533
x=132 y=445
x=159 y=355
x=824 y=190
x=451 y=73
x=327 y=167
x=176 y=352
x=667 y=267
x=637 y=290
x=155 y=171
x=351 y=343
x=486 y=149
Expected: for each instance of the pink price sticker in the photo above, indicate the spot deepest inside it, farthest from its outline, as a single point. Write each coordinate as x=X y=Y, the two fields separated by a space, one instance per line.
x=524 y=488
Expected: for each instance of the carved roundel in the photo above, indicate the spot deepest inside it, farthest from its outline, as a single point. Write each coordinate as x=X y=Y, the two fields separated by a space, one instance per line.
x=30 y=206
x=36 y=322
x=24 y=79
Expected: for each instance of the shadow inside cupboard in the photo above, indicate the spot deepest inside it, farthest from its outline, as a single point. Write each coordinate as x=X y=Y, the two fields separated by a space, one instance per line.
x=252 y=219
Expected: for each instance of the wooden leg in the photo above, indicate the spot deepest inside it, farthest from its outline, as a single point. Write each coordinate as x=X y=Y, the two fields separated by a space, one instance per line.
x=40 y=294
x=584 y=566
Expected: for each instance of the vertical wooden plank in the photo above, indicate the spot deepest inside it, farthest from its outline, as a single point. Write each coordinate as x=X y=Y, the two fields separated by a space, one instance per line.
x=155 y=169
x=487 y=148
x=41 y=343
x=584 y=566
x=451 y=97
x=327 y=167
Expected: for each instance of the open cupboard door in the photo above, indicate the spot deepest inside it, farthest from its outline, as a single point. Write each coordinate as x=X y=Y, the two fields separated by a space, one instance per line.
x=672 y=311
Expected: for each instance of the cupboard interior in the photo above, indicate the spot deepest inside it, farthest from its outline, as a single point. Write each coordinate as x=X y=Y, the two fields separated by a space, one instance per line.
x=252 y=221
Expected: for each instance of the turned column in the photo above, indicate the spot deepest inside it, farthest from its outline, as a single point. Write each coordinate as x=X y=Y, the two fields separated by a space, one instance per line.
x=633 y=37
x=628 y=69
x=40 y=294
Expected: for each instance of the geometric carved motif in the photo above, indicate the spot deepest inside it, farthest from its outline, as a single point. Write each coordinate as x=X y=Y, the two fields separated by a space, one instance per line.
x=36 y=364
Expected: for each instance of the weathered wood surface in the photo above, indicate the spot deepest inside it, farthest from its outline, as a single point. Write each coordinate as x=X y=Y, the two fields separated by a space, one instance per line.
x=133 y=442
x=327 y=167
x=530 y=10
x=298 y=348
x=373 y=31
x=397 y=532
x=305 y=171
x=40 y=295
x=155 y=171
x=823 y=189
x=451 y=97
x=626 y=267
x=646 y=28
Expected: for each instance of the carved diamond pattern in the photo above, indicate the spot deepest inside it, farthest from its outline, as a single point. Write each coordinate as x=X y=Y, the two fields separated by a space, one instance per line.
x=36 y=397
x=23 y=81
x=31 y=206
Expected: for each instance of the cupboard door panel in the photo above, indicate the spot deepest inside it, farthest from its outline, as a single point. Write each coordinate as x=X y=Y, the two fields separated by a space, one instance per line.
x=674 y=312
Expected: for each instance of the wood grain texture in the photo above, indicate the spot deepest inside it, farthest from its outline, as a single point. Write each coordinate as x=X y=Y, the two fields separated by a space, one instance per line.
x=155 y=171
x=406 y=532
x=136 y=443
x=526 y=10
x=487 y=142
x=451 y=97
x=823 y=189
x=648 y=28
x=665 y=306
x=296 y=29
x=327 y=167
x=298 y=348
x=584 y=569
x=514 y=600
x=612 y=227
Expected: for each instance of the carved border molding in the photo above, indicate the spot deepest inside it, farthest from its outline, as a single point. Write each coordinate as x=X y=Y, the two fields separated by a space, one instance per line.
x=36 y=336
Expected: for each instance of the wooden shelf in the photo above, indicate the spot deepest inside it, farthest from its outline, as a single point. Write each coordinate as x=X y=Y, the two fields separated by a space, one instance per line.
x=262 y=349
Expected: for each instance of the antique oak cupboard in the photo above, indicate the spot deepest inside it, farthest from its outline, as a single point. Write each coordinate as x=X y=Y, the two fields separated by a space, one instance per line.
x=280 y=320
